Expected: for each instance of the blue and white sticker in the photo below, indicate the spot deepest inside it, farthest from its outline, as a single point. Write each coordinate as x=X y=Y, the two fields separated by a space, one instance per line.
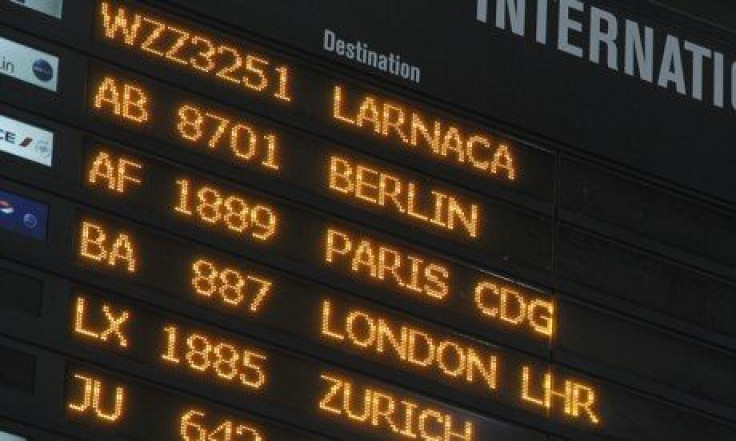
x=5 y=436
x=23 y=216
x=26 y=141
x=49 y=7
x=30 y=65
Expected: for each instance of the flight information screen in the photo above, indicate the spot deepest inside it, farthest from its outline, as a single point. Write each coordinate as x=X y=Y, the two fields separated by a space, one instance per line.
x=438 y=221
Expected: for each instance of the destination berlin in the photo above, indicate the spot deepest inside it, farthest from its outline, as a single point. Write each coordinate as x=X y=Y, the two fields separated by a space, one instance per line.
x=624 y=45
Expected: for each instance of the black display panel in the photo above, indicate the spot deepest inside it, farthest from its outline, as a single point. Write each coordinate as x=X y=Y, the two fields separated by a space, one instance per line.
x=260 y=222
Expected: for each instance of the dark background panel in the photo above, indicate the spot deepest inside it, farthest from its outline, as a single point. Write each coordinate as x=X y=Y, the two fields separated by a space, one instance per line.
x=643 y=279
x=33 y=405
x=713 y=12
x=646 y=357
x=17 y=370
x=646 y=215
x=20 y=293
x=647 y=420
x=636 y=416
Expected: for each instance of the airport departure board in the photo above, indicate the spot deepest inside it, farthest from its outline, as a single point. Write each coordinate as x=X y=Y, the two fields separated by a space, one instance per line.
x=281 y=220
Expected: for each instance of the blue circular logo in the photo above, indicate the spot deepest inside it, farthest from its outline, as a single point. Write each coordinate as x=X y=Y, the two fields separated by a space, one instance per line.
x=43 y=70
x=30 y=221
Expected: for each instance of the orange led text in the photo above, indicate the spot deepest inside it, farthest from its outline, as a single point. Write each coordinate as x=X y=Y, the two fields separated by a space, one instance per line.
x=92 y=400
x=571 y=398
x=114 y=250
x=428 y=206
x=231 y=212
x=404 y=417
x=181 y=46
x=396 y=268
x=122 y=99
x=114 y=172
x=213 y=357
x=106 y=324
x=439 y=138
x=194 y=426
x=514 y=307
x=214 y=131
x=409 y=346
x=231 y=286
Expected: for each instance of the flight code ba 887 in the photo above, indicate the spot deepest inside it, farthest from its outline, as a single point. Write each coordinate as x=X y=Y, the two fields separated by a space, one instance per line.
x=179 y=45
x=415 y=275
x=210 y=281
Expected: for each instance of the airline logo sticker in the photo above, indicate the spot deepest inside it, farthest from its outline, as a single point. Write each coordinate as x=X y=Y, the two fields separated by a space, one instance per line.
x=23 y=216
x=30 y=65
x=48 y=7
x=26 y=141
